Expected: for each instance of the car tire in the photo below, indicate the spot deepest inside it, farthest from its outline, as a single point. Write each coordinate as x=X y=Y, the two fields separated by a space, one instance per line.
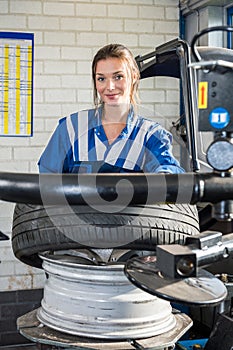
x=39 y=228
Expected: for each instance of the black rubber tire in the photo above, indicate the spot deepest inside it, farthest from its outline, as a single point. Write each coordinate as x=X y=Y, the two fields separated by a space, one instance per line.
x=37 y=228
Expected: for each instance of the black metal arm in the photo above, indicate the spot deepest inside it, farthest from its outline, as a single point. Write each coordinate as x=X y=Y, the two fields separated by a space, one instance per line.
x=122 y=188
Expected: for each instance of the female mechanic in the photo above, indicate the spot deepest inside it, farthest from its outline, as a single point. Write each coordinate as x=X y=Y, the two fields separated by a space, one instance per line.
x=111 y=137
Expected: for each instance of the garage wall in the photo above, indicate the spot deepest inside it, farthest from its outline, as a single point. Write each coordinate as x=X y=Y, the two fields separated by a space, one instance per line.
x=67 y=34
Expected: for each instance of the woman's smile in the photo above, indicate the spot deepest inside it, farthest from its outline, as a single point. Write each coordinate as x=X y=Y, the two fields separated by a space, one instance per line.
x=112 y=96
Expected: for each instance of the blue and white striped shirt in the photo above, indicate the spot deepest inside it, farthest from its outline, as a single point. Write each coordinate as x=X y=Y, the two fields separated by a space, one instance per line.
x=79 y=144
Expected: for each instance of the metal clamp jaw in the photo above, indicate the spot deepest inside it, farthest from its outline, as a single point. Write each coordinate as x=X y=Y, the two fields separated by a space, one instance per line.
x=176 y=261
x=175 y=273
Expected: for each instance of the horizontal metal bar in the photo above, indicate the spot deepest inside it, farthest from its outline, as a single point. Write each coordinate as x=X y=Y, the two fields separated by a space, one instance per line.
x=118 y=189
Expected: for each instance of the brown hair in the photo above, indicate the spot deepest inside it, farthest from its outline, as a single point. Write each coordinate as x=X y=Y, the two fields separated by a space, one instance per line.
x=124 y=54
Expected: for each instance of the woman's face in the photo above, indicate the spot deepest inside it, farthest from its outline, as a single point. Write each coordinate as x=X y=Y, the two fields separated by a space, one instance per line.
x=112 y=81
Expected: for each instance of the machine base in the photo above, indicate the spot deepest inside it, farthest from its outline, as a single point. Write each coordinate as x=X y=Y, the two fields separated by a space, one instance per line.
x=32 y=329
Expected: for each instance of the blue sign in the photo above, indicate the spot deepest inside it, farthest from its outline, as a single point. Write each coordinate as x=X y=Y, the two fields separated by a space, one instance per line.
x=219 y=118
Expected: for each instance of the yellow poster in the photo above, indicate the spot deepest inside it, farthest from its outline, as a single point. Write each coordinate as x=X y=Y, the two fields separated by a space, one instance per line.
x=16 y=84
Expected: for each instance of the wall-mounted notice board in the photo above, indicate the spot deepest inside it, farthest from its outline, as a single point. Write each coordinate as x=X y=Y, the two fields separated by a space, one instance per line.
x=16 y=84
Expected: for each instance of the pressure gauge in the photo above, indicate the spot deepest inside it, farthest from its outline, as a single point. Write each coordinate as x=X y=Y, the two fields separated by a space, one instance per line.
x=220 y=155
